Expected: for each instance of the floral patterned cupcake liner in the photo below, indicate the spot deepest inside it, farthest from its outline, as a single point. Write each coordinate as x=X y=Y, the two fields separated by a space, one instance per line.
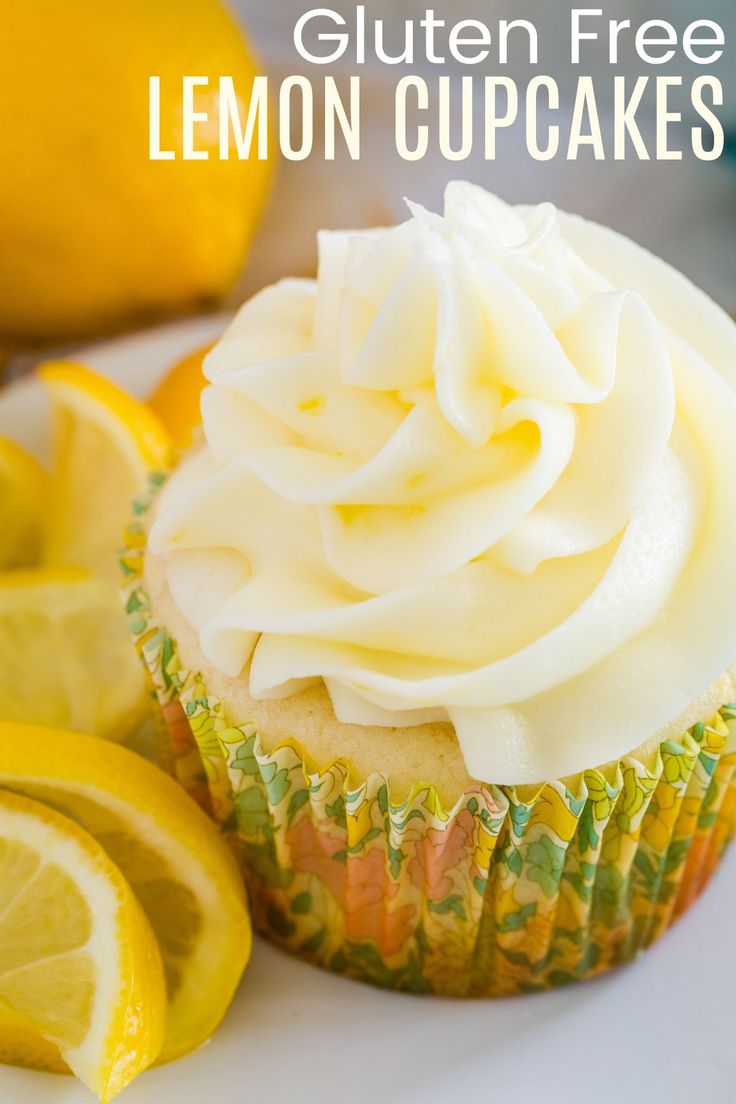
x=514 y=889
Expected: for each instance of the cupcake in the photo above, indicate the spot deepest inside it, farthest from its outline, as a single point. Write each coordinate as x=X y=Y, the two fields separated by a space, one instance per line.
x=439 y=610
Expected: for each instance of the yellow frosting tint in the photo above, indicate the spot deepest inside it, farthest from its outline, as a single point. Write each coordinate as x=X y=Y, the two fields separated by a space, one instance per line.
x=476 y=472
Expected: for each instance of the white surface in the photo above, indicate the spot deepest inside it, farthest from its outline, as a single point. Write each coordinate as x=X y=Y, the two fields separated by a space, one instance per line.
x=660 y=1030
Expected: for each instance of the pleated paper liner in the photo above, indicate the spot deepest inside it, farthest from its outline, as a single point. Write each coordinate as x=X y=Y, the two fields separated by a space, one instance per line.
x=515 y=889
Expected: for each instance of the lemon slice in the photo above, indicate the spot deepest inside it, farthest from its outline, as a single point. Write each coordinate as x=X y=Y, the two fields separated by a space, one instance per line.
x=66 y=659
x=22 y=1046
x=106 y=443
x=23 y=491
x=170 y=852
x=79 y=964
x=176 y=400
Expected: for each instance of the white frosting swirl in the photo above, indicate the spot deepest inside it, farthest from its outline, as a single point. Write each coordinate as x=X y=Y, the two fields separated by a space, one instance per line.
x=481 y=470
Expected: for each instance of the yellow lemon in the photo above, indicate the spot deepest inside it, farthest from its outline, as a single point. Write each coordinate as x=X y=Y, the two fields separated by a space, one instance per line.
x=106 y=444
x=66 y=658
x=20 y=1045
x=170 y=853
x=176 y=399
x=23 y=496
x=80 y=969
x=94 y=233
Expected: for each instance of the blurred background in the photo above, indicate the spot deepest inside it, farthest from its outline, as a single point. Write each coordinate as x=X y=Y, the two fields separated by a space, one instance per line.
x=96 y=238
x=685 y=211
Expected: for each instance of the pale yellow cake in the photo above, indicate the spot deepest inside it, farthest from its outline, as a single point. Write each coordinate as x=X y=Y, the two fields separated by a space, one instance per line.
x=406 y=756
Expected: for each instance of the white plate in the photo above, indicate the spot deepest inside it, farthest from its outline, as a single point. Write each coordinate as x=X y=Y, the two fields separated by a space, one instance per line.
x=660 y=1030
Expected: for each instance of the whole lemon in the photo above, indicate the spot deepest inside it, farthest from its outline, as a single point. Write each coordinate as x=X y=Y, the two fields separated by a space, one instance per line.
x=93 y=234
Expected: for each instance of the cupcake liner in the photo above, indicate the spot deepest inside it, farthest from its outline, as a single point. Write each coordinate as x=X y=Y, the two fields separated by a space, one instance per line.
x=514 y=889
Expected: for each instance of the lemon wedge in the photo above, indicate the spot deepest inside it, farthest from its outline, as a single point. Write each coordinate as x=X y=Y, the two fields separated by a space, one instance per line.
x=23 y=491
x=106 y=444
x=66 y=658
x=170 y=853
x=79 y=964
x=22 y=1046
x=176 y=400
